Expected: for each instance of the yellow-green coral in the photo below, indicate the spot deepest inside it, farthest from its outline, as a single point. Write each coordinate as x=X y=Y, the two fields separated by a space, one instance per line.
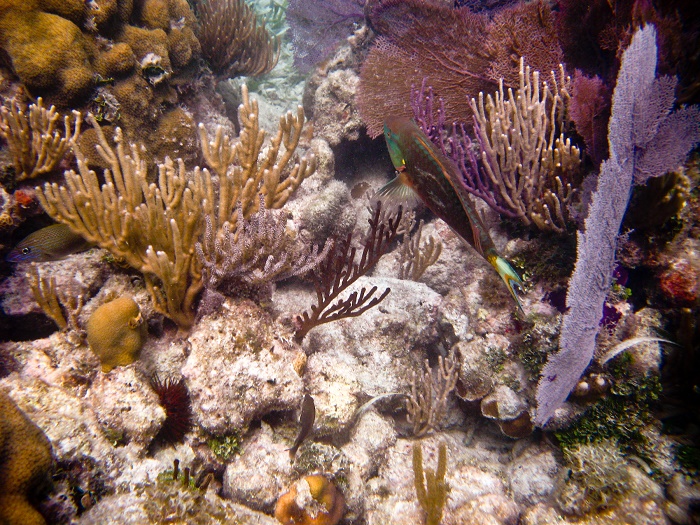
x=25 y=462
x=116 y=332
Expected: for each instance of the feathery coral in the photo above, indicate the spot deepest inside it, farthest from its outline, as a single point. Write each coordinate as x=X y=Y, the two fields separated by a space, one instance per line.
x=233 y=40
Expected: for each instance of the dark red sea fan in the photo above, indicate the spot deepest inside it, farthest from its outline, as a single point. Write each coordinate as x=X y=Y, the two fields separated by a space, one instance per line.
x=175 y=399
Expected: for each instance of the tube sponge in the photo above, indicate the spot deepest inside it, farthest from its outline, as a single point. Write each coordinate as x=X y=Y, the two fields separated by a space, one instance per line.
x=25 y=463
x=116 y=332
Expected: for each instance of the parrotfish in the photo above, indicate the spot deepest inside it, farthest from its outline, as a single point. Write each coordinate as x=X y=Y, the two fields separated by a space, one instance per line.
x=52 y=243
x=424 y=172
x=308 y=415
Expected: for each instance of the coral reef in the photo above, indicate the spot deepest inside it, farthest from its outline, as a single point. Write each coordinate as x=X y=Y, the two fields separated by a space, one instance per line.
x=419 y=403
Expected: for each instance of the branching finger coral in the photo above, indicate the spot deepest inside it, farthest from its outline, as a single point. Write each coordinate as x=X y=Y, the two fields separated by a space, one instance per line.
x=152 y=227
x=45 y=294
x=244 y=171
x=234 y=42
x=525 y=167
x=34 y=138
x=414 y=257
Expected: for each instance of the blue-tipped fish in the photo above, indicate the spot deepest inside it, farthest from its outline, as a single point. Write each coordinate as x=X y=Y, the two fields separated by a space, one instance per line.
x=423 y=171
x=52 y=243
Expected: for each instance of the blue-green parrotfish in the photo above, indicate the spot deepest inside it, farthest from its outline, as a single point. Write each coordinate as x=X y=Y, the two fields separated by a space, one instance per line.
x=423 y=171
x=52 y=243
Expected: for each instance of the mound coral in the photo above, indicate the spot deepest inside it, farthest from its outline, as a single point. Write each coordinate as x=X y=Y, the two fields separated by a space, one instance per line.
x=25 y=462
x=116 y=332
x=72 y=53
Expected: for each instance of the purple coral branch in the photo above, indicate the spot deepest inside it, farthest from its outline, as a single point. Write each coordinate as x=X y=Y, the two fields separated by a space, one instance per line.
x=454 y=142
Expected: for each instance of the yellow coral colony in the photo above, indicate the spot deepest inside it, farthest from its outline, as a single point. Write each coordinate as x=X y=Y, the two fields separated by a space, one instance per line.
x=25 y=464
x=116 y=332
x=154 y=227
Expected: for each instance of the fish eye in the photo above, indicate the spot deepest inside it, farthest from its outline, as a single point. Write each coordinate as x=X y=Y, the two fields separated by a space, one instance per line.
x=26 y=250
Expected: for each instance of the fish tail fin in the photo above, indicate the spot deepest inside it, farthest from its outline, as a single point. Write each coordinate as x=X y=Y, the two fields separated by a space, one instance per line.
x=508 y=275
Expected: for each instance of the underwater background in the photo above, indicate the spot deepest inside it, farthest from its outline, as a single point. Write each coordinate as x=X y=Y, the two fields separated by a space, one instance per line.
x=378 y=262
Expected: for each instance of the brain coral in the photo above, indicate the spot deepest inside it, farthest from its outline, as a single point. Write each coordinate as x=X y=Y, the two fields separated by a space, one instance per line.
x=25 y=462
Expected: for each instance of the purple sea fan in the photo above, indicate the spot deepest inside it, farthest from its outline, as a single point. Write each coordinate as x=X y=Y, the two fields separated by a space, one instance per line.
x=645 y=140
x=317 y=26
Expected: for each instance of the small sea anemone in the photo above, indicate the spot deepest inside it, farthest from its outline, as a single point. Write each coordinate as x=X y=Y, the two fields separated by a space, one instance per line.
x=175 y=399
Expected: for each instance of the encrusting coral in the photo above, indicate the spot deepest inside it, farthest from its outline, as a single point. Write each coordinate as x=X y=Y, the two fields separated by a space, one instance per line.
x=116 y=332
x=154 y=227
x=313 y=500
x=25 y=463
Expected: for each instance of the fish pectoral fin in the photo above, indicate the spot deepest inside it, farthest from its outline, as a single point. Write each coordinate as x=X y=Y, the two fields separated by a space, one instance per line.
x=395 y=192
x=509 y=277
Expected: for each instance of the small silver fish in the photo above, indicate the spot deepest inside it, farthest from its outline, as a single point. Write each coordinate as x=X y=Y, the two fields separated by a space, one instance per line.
x=52 y=243
x=308 y=416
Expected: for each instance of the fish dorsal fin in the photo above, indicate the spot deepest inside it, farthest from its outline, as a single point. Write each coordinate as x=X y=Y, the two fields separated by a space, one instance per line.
x=396 y=192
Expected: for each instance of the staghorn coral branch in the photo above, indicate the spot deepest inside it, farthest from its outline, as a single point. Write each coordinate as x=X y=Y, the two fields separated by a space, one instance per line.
x=33 y=138
x=339 y=271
